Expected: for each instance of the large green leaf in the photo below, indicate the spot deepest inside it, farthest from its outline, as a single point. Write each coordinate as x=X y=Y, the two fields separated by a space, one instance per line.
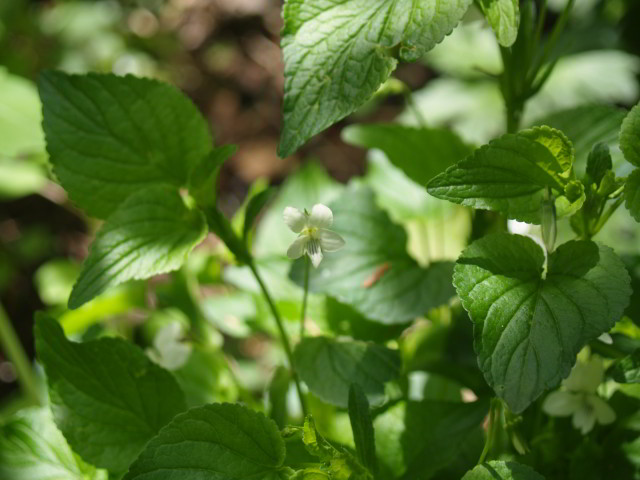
x=632 y=194
x=373 y=272
x=32 y=448
x=421 y=153
x=416 y=439
x=362 y=428
x=528 y=328
x=108 y=136
x=499 y=470
x=107 y=397
x=338 y=52
x=504 y=18
x=630 y=136
x=512 y=174
x=217 y=442
x=151 y=232
x=329 y=367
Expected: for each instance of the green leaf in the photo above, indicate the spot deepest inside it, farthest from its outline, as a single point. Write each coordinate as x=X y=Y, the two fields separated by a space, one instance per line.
x=421 y=153
x=20 y=116
x=632 y=194
x=217 y=441
x=20 y=177
x=255 y=206
x=599 y=162
x=499 y=470
x=109 y=137
x=627 y=370
x=362 y=427
x=107 y=397
x=373 y=272
x=329 y=367
x=504 y=18
x=630 y=136
x=528 y=329
x=337 y=54
x=278 y=390
x=510 y=174
x=416 y=439
x=586 y=126
x=204 y=175
x=152 y=232
x=32 y=448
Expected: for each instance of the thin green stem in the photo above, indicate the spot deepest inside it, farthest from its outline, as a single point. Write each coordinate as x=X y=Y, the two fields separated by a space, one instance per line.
x=553 y=38
x=494 y=421
x=16 y=354
x=411 y=103
x=283 y=335
x=303 y=315
x=604 y=218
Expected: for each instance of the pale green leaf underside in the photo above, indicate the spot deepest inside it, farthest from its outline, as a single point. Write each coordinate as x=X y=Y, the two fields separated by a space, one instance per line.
x=213 y=442
x=107 y=397
x=632 y=194
x=330 y=366
x=338 y=52
x=32 y=448
x=527 y=329
x=152 y=232
x=510 y=174
x=421 y=153
x=416 y=439
x=504 y=18
x=630 y=136
x=499 y=470
x=373 y=272
x=108 y=137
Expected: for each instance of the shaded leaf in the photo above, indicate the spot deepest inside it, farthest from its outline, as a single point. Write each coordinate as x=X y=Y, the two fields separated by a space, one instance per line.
x=499 y=470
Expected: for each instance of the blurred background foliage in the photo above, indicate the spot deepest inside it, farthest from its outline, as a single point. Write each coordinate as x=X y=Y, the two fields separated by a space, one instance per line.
x=208 y=322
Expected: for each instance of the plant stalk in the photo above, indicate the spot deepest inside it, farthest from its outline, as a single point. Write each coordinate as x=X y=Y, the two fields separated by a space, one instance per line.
x=305 y=295
x=494 y=421
x=283 y=335
x=16 y=354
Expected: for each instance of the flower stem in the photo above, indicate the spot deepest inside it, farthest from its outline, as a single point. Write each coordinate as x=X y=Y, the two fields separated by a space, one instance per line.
x=283 y=335
x=494 y=421
x=16 y=354
x=305 y=295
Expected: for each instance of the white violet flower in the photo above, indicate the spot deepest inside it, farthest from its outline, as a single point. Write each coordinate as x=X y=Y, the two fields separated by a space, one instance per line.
x=314 y=237
x=579 y=399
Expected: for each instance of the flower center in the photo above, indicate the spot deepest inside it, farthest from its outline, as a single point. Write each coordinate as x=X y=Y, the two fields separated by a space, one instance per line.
x=310 y=231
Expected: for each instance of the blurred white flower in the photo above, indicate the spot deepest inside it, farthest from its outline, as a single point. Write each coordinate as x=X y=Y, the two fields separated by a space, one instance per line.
x=578 y=397
x=168 y=349
x=314 y=237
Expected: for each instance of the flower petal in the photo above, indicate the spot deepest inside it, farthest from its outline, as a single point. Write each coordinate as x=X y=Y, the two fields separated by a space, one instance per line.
x=584 y=419
x=295 y=219
x=604 y=413
x=321 y=216
x=585 y=376
x=561 y=404
x=330 y=241
x=314 y=251
x=297 y=248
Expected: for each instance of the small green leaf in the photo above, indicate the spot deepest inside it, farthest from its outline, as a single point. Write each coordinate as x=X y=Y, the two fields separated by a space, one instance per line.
x=338 y=53
x=107 y=397
x=204 y=176
x=632 y=194
x=511 y=174
x=416 y=439
x=152 y=232
x=499 y=470
x=627 y=370
x=599 y=162
x=504 y=18
x=373 y=272
x=216 y=441
x=529 y=329
x=329 y=367
x=630 y=136
x=421 y=153
x=255 y=206
x=108 y=137
x=362 y=427
x=278 y=390
x=32 y=448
